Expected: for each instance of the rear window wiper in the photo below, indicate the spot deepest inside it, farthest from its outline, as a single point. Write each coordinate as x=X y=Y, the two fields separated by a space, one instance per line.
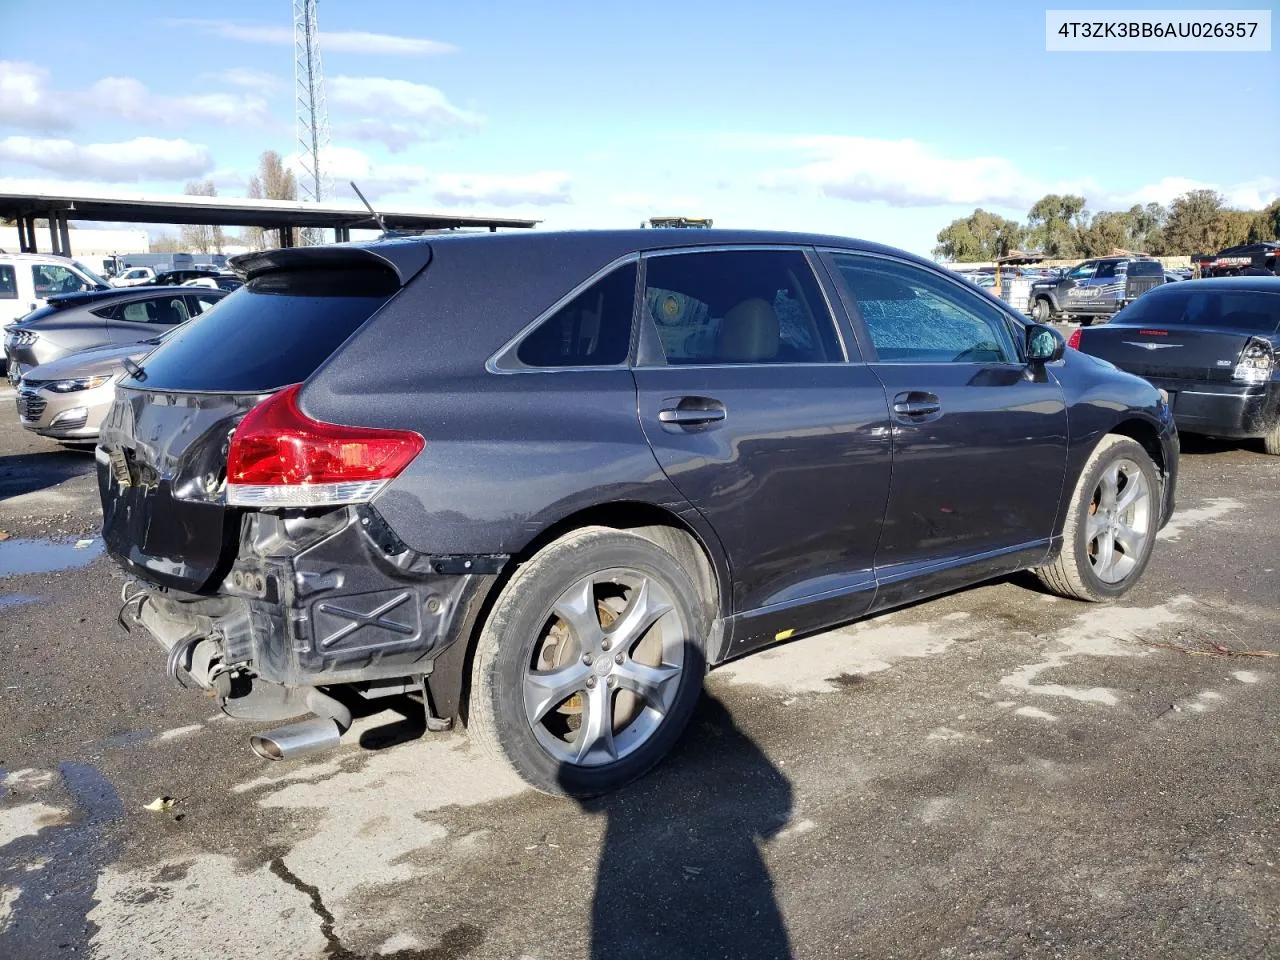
x=135 y=371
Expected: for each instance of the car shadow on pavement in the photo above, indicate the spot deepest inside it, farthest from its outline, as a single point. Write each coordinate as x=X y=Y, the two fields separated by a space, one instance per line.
x=681 y=871
x=29 y=472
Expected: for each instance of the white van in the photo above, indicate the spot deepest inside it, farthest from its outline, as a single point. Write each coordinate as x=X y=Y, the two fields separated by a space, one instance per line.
x=27 y=280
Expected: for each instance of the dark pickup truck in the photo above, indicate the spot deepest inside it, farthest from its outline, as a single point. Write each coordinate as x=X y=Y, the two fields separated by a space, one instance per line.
x=1094 y=289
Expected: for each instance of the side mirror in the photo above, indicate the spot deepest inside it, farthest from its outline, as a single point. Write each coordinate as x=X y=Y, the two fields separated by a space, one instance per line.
x=1044 y=344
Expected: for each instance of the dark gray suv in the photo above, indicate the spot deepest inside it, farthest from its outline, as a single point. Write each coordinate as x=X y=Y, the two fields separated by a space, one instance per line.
x=541 y=481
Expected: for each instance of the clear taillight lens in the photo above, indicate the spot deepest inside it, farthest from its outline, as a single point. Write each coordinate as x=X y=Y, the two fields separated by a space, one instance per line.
x=1256 y=364
x=280 y=457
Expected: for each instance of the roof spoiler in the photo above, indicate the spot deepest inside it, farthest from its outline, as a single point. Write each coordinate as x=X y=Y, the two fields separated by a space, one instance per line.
x=405 y=260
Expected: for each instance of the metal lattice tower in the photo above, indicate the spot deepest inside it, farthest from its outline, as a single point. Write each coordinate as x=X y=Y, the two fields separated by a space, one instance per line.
x=311 y=115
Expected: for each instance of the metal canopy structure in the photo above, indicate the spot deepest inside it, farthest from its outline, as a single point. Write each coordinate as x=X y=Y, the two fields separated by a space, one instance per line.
x=286 y=216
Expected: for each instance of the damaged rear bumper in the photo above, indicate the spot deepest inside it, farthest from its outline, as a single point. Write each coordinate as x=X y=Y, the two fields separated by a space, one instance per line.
x=317 y=600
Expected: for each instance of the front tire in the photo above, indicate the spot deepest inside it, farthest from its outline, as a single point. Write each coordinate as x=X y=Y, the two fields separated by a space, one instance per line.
x=1111 y=524
x=590 y=663
x=1040 y=311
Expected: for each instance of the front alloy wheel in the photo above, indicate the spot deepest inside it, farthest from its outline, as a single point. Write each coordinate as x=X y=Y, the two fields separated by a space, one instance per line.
x=1110 y=526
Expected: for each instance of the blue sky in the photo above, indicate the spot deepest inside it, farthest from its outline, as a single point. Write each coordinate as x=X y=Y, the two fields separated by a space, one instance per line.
x=883 y=121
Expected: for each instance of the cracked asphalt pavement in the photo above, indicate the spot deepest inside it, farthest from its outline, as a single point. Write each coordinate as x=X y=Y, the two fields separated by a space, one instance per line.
x=997 y=773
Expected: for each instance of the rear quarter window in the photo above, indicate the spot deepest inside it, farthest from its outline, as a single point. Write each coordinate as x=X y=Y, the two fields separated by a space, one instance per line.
x=273 y=332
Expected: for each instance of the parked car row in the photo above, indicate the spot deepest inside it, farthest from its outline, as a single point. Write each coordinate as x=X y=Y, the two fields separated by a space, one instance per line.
x=66 y=357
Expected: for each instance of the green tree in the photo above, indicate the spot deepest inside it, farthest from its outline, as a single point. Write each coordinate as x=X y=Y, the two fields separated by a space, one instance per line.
x=1265 y=224
x=1145 y=228
x=979 y=236
x=1056 y=225
x=1195 y=223
x=1106 y=232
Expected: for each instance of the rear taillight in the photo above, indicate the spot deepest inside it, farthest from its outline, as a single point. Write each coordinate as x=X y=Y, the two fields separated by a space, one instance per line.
x=280 y=457
x=1256 y=364
x=1074 y=340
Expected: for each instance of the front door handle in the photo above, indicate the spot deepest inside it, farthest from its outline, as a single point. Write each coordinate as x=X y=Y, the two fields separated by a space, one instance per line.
x=915 y=404
x=691 y=411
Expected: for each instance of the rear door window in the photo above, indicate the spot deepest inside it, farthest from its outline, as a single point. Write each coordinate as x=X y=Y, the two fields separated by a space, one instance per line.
x=739 y=306
x=275 y=331
x=8 y=283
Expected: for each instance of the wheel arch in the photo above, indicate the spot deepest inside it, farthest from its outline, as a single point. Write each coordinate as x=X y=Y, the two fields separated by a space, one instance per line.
x=1146 y=434
x=450 y=680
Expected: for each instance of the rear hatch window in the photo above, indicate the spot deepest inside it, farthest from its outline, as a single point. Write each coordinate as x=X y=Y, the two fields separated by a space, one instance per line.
x=1146 y=268
x=1183 y=307
x=274 y=331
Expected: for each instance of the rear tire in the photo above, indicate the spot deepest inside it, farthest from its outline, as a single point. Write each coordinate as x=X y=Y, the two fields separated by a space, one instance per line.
x=1271 y=440
x=590 y=663
x=1086 y=321
x=1040 y=311
x=1111 y=524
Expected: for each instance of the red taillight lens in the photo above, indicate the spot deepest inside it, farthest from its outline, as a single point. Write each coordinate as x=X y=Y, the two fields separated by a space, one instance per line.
x=281 y=457
x=1074 y=340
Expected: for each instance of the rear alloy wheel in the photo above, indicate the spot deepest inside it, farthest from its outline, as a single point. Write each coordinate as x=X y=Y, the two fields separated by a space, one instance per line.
x=1111 y=524
x=1040 y=311
x=590 y=663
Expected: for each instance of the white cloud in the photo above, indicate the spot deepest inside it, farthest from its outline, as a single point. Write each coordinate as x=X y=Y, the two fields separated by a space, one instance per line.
x=416 y=185
x=502 y=190
x=902 y=173
x=342 y=41
x=399 y=100
x=25 y=101
x=1249 y=195
x=248 y=78
x=395 y=113
x=130 y=99
x=394 y=136
x=143 y=158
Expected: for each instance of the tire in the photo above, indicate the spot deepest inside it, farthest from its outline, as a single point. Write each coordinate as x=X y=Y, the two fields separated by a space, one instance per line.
x=1041 y=312
x=1081 y=571
x=1271 y=440
x=573 y=596
x=1086 y=321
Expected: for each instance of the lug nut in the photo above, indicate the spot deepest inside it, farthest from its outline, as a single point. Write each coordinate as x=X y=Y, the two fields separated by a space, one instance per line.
x=612 y=681
x=591 y=682
x=586 y=659
x=604 y=644
x=617 y=658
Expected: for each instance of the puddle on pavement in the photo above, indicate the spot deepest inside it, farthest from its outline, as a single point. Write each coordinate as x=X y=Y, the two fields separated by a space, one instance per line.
x=18 y=557
x=17 y=599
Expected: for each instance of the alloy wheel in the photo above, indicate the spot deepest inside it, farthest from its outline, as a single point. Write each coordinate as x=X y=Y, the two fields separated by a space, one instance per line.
x=606 y=668
x=1119 y=522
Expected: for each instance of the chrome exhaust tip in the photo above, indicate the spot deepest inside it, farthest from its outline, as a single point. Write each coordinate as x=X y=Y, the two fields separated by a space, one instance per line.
x=297 y=739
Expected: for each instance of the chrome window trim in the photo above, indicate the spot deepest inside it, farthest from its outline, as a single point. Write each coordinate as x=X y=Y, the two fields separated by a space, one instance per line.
x=504 y=360
x=806 y=250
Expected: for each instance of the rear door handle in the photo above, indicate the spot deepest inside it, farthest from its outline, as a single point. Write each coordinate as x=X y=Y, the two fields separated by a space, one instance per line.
x=915 y=404
x=691 y=411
